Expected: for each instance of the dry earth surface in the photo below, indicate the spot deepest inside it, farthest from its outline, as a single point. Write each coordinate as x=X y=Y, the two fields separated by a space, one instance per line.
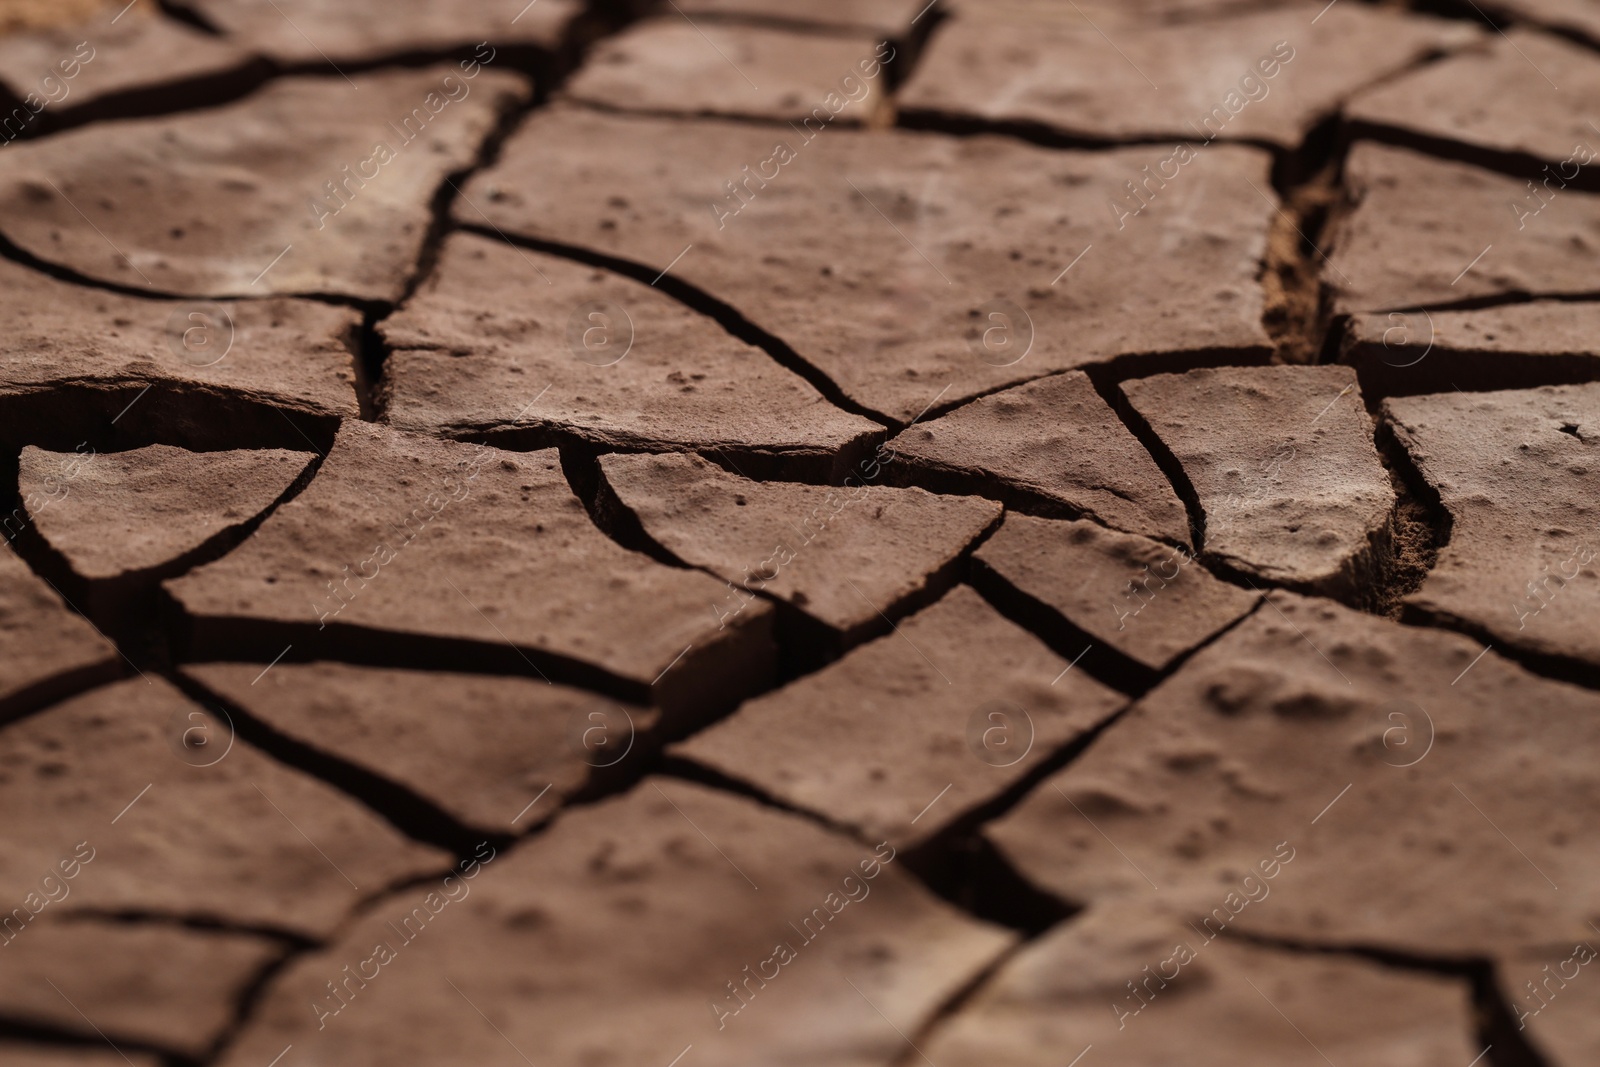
x=850 y=533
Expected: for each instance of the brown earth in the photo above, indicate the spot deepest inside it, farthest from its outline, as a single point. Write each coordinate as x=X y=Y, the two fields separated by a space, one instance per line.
x=730 y=532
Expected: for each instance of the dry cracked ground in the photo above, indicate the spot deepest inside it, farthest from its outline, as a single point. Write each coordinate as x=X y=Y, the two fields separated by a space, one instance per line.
x=856 y=533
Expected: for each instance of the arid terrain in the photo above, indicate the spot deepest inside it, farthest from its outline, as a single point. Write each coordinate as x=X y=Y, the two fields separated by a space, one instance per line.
x=800 y=533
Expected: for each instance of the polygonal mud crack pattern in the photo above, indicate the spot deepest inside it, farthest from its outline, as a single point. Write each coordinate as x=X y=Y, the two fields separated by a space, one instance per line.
x=1512 y=346
x=103 y=968
x=1219 y=74
x=1427 y=232
x=1306 y=734
x=1290 y=489
x=531 y=349
x=729 y=532
x=1050 y=447
x=365 y=31
x=1054 y=993
x=139 y=57
x=75 y=359
x=286 y=191
x=886 y=18
x=919 y=727
x=673 y=898
x=917 y=240
x=1516 y=473
x=181 y=830
x=138 y=498
x=509 y=740
x=644 y=69
x=50 y=650
x=813 y=547
x=404 y=537
x=1480 y=101
x=1114 y=579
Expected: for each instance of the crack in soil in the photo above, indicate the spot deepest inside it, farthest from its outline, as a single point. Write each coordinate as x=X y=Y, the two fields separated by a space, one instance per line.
x=958 y=864
x=704 y=303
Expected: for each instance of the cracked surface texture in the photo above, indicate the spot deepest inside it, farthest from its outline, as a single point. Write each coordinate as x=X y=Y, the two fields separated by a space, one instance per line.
x=80 y=355
x=870 y=739
x=1282 y=463
x=1485 y=99
x=915 y=238
x=1259 y=76
x=1292 y=1009
x=103 y=969
x=1149 y=601
x=1426 y=232
x=394 y=523
x=134 y=511
x=49 y=648
x=170 y=850
x=561 y=350
x=1048 y=446
x=1516 y=473
x=509 y=739
x=1540 y=342
x=205 y=203
x=112 y=56
x=320 y=34
x=886 y=17
x=842 y=533
x=664 y=65
x=814 y=547
x=640 y=906
x=1226 y=765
